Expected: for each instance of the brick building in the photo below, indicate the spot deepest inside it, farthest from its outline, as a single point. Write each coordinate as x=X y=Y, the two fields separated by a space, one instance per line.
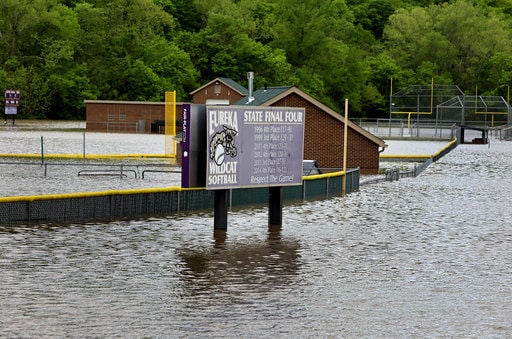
x=220 y=91
x=149 y=117
x=323 y=130
x=126 y=116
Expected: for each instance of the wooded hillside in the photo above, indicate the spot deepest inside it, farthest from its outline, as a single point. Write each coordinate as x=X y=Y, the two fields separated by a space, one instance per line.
x=59 y=53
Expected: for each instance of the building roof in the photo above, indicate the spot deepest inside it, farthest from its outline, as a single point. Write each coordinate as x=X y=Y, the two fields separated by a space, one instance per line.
x=262 y=95
x=266 y=96
x=226 y=81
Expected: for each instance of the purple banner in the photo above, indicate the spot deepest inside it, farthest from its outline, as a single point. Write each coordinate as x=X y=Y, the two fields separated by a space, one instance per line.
x=193 y=146
x=185 y=147
x=254 y=146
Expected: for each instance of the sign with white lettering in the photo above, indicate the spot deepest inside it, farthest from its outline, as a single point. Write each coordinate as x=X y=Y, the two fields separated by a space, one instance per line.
x=254 y=146
x=11 y=101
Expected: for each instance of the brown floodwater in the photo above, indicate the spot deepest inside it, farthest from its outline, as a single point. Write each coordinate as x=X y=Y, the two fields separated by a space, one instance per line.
x=420 y=257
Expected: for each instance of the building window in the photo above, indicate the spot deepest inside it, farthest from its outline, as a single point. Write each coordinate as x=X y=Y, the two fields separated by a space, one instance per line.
x=122 y=116
x=217 y=88
x=111 y=116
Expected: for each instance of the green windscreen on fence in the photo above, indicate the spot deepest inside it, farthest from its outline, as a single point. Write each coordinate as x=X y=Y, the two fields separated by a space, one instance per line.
x=111 y=205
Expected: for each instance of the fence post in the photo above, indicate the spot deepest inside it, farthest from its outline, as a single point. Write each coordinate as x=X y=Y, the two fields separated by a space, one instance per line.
x=42 y=150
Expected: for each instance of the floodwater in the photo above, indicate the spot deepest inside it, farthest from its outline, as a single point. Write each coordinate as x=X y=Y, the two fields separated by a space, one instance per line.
x=39 y=175
x=421 y=257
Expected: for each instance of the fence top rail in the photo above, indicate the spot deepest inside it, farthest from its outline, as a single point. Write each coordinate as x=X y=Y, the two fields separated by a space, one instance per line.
x=86 y=156
x=87 y=164
x=32 y=198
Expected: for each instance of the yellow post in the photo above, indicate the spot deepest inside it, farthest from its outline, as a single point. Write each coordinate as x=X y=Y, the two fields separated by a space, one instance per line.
x=476 y=98
x=432 y=97
x=170 y=113
x=170 y=122
x=390 y=103
x=345 y=139
x=390 y=97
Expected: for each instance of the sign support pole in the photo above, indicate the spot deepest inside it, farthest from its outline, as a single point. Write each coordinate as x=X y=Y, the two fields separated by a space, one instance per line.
x=345 y=139
x=275 y=206
x=220 y=218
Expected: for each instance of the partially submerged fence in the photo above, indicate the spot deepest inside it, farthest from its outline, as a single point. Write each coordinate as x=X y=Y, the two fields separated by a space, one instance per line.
x=112 y=205
x=504 y=133
x=423 y=162
x=402 y=128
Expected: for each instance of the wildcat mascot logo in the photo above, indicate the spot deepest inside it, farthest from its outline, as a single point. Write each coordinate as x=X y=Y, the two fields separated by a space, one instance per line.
x=222 y=153
x=222 y=144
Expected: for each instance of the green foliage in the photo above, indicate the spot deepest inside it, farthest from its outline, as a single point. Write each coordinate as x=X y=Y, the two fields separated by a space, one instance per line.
x=497 y=75
x=221 y=50
x=373 y=15
x=61 y=52
x=452 y=42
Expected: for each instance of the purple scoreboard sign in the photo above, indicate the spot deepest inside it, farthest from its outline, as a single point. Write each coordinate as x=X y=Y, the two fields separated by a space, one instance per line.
x=254 y=146
x=11 y=101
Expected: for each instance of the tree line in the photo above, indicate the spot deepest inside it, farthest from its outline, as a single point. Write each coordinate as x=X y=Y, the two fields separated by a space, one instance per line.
x=59 y=53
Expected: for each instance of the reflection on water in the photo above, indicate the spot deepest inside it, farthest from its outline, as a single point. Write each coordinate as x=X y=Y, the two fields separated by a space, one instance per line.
x=259 y=265
x=428 y=256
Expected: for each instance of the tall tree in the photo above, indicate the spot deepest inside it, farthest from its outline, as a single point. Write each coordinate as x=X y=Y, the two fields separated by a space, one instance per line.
x=497 y=75
x=316 y=38
x=477 y=36
x=222 y=48
x=373 y=15
x=42 y=37
x=129 y=54
x=455 y=39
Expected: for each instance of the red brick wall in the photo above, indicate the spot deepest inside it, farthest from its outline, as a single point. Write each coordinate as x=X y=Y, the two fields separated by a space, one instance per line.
x=226 y=93
x=125 y=116
x=323 y=139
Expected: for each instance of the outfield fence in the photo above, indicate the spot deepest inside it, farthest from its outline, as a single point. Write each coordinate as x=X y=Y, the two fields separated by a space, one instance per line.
x=423 y=161
x=129 y=204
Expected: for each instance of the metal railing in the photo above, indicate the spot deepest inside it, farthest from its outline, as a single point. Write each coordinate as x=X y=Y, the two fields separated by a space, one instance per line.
x=402 y=128
x=96 y=169
x=504 y=133
x=394 y=174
